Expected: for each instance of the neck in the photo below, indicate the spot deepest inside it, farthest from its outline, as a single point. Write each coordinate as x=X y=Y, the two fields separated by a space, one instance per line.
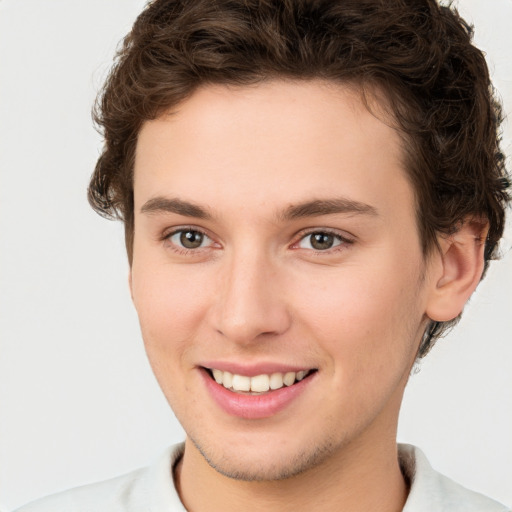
x=357 y=479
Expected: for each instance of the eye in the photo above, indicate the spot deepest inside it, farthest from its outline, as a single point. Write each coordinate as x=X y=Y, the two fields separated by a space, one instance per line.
x=320 y=241
x=189 y=239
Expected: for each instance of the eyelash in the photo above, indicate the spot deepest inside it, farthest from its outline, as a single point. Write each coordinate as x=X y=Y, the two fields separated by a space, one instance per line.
x=342 y=239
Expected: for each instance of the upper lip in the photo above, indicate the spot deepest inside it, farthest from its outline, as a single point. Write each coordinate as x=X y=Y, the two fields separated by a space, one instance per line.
x=253 y=369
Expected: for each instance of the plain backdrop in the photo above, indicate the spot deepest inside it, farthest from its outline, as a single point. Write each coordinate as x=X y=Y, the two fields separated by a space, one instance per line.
x=78 y=402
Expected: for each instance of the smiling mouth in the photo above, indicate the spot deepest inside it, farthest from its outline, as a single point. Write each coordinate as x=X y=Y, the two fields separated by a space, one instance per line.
x=258 y=384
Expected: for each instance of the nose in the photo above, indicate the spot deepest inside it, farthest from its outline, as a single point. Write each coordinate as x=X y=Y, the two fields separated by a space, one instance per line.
x=251 y=302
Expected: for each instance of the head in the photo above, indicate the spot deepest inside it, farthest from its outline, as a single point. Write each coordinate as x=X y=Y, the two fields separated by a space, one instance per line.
x=307 y=187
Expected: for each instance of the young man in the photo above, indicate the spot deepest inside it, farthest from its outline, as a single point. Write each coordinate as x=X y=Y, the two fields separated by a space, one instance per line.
x=311 y=192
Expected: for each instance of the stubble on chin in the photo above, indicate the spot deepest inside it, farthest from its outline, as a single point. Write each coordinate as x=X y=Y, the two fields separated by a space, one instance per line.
x=272 y=470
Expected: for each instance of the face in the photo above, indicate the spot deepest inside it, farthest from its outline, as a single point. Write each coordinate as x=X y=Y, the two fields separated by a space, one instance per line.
x=277 y=273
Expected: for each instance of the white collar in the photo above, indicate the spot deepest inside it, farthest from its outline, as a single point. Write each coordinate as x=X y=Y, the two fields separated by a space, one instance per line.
x=430 y=491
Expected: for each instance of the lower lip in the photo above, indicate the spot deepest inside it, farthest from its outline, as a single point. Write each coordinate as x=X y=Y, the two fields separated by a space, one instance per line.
x=254 y=406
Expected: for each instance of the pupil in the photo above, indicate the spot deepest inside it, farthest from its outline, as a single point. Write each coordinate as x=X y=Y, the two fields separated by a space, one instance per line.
x=191 y=239
x=322 y=241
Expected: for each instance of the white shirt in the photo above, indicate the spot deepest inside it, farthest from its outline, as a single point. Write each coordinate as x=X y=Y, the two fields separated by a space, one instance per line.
x=152 y=490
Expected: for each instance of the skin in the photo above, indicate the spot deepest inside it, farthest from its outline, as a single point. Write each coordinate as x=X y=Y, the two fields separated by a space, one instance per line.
x=257 y=291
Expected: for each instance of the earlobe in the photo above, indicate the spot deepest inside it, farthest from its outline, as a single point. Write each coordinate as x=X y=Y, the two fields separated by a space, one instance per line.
x=461 y=266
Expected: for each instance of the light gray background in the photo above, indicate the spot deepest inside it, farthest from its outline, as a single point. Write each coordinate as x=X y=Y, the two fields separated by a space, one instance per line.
x=78 y=401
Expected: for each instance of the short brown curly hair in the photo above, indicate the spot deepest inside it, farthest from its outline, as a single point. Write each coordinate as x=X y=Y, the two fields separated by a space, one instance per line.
x=417 y=52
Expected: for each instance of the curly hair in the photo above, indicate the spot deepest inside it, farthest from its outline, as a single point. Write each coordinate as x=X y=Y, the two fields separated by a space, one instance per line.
x=419 y=53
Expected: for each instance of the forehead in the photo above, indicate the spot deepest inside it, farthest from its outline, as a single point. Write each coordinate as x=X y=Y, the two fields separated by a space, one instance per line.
x=275 y=142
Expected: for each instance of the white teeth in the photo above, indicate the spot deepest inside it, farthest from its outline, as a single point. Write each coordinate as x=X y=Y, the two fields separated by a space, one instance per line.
x=241 y=383
x=289 y=378
x=276 y=381
x=258 y=384
x=227 y=379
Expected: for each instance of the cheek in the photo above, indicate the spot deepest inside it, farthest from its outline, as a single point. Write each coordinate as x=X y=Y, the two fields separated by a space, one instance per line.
x=366 y=318
x=169 y=304
x=368 y=334
x=169 y=308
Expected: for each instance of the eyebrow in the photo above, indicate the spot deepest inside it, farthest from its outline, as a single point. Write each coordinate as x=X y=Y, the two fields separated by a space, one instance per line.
x=314 y=208
x=320 y=207
x=173 y=205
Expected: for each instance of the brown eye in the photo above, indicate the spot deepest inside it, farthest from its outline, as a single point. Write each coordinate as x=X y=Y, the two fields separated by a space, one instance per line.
x=189 y=239
x=320 y=241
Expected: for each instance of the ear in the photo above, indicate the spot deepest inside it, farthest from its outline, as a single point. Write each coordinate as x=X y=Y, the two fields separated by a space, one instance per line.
x=460 y=263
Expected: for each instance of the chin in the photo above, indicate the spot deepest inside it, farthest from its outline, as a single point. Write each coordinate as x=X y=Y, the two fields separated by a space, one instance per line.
x=268 y=464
